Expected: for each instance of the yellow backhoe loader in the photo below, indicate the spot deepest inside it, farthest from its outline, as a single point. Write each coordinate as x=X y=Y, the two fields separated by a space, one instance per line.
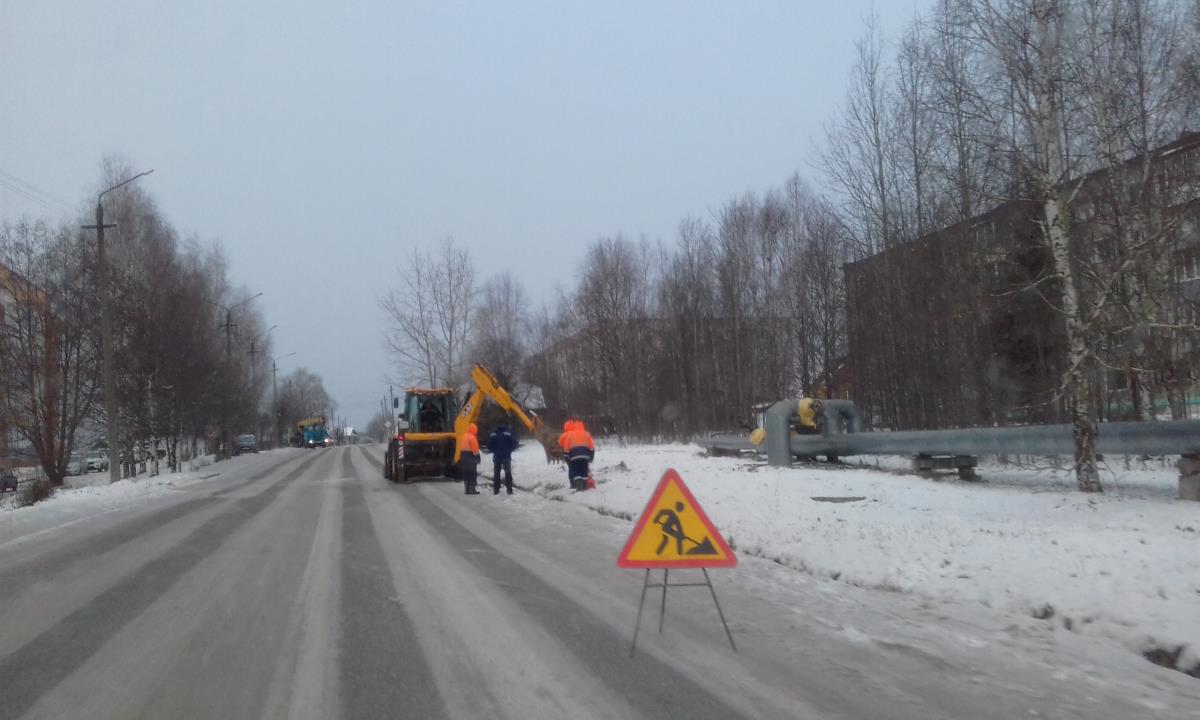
x=425 y=443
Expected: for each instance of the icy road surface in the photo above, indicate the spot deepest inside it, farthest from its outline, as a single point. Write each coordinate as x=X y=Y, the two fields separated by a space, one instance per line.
x=301 y=584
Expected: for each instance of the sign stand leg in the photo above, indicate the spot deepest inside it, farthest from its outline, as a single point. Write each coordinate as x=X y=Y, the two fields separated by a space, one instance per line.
x=718 y=604
x=662 y=611
x=637 y=627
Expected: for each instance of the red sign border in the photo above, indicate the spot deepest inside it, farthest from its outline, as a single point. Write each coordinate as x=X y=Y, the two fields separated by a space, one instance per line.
x=623 y=559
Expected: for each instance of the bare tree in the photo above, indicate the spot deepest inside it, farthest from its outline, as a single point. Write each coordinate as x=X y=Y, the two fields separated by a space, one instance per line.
x=859 y=143
x=687 y=299
x=48 y=346
x=1136 y=102
x=302 y=395
x=610 y=311
x=431 y=314
x=502 y=322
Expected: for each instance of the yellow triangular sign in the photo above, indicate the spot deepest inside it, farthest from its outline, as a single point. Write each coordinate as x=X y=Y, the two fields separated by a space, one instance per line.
x=674 y=532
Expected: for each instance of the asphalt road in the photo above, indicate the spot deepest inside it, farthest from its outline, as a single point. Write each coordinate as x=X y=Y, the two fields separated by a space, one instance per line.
x=305 y=586
x=314 y=589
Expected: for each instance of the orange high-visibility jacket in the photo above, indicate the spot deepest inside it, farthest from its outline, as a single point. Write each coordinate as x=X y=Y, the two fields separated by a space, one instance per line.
x=468 y=442
x=580 y=437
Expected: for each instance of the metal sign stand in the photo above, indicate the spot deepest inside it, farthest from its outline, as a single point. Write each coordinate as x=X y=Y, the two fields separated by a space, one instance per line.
x=662 y=612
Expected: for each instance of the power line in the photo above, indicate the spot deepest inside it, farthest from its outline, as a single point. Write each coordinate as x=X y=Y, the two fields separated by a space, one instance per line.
x=30 y=196
x=33 y=191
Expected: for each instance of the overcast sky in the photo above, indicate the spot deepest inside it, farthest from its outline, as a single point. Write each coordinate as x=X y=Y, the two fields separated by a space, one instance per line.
x=321 y=142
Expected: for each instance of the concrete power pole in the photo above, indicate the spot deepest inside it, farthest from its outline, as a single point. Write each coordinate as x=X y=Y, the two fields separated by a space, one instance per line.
x=226 y=431
x=275 y=400
x=106 y=347
x=106 y=341
x=229 y=325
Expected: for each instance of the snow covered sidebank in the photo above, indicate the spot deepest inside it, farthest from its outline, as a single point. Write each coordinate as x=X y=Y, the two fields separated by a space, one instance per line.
x=92 y=495
x=1123 y=565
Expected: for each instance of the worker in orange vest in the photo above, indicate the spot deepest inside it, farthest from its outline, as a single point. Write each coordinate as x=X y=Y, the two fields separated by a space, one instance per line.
x=581 y=451
x=468 y=458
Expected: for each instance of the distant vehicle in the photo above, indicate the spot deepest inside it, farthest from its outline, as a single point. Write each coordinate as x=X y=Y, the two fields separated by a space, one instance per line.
x=245 y=443
x=8 y=481
x=313 y=433
x=97 y=461
x=76 y=465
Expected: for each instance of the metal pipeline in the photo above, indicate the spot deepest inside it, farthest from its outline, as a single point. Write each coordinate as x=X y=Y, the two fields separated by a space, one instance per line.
x=1114 y=438
x=844 y=435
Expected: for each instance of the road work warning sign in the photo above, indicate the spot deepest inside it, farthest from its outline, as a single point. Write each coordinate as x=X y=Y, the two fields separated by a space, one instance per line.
x=674 y=532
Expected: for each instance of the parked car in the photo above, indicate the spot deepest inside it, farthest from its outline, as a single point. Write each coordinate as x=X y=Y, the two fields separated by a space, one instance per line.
x=245 y=443
x=76 y=465
x=8 y=481
x=97 y=461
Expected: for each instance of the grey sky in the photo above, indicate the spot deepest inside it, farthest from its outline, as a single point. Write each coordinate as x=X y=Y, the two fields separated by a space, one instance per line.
x=321 y=142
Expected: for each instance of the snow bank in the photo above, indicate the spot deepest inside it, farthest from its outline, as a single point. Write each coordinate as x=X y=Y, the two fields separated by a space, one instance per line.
x=1124 y=565
x=94 y=489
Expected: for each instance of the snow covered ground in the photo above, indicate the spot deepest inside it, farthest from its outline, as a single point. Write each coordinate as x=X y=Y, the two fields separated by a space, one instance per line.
x=91 y=495
x=1124 y=565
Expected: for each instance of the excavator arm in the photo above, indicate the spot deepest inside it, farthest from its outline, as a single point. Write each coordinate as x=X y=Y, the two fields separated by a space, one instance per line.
x=487 y=387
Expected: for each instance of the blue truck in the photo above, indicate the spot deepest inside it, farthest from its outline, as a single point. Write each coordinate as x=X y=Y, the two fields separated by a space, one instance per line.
x=313 y=433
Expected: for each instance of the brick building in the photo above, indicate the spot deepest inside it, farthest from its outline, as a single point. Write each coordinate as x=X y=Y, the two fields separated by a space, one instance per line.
x=959 y=327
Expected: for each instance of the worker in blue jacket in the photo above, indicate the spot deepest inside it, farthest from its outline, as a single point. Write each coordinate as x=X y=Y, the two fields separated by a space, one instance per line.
x=501 y=444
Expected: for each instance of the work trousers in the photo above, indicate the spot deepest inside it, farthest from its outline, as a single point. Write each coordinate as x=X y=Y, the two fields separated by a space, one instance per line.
x=497 y=466
x=577 y=470
x=469 y=473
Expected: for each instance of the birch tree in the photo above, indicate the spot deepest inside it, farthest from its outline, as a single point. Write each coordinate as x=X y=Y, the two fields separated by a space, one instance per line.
x=1028 y=41
x=48 y=347
x=502 y=322
x=431 y=314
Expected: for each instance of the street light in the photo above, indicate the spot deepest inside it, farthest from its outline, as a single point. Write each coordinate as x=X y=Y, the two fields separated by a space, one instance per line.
x=264 y=332
x=106 y=343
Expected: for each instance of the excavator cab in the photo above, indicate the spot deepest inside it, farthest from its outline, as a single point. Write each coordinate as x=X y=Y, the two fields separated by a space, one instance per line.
x=424 y=443
x=429 y=413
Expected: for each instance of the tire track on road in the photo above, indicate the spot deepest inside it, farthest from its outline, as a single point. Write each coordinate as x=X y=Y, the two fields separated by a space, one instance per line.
x=41 y=664
x=651 y=686
x=382 y=673
x=14 y=579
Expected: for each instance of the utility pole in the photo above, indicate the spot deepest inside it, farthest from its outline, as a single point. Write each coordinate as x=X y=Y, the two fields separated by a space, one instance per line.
x=106 y=342
x=391 y=412
x=229 y=325
x=383 y=413
x=253 y=357
x=226 y=432
x=275 y=399
x=254 y=378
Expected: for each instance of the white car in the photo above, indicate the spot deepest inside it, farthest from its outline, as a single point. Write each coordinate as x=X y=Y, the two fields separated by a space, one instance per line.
x=96 y=461
x=76 y=465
